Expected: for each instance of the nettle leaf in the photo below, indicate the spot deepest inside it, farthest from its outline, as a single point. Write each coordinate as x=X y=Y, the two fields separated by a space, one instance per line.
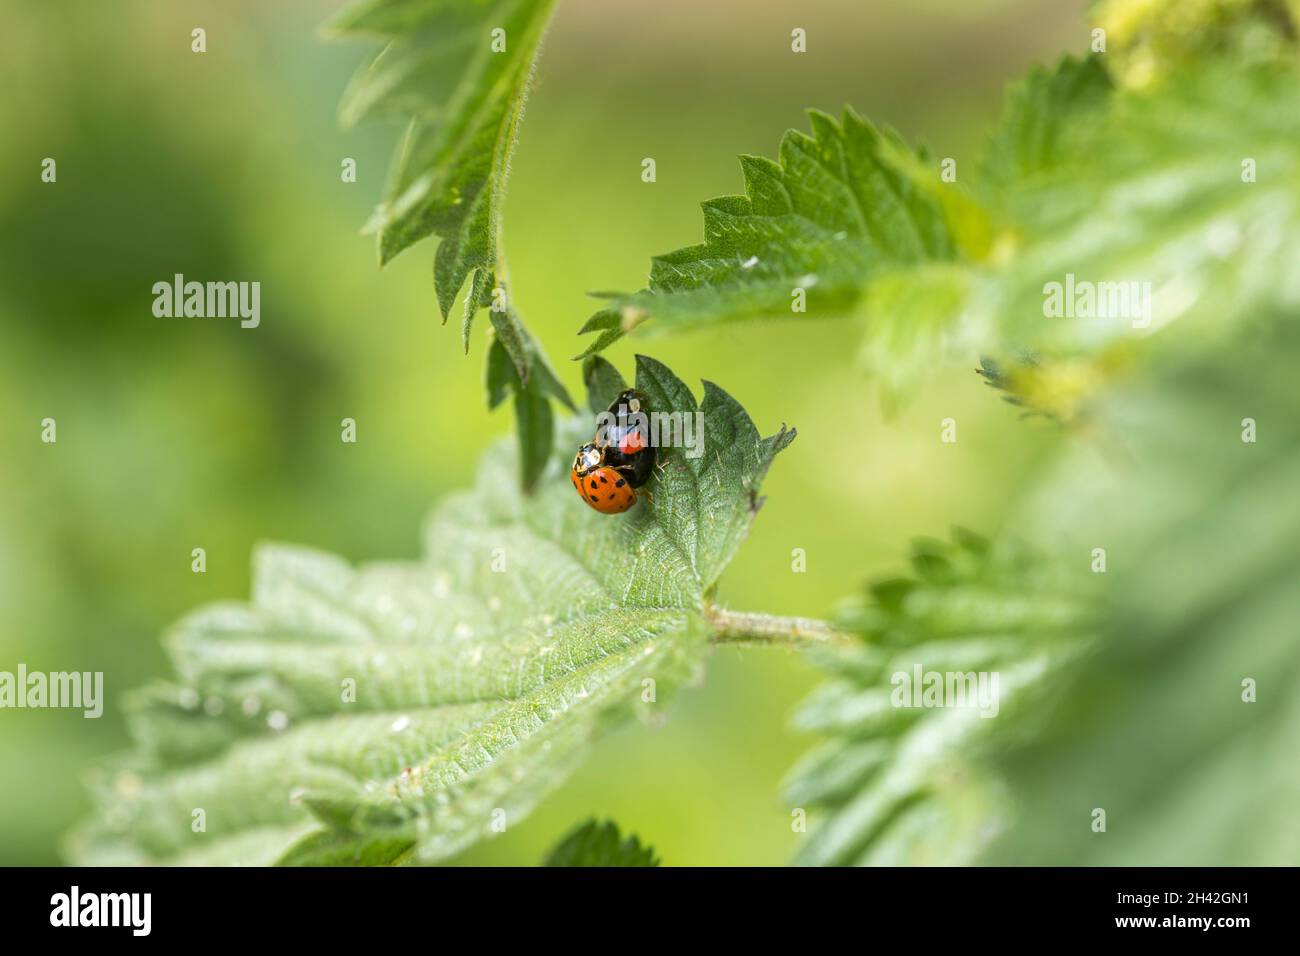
x=397 y=711
x=1125 y=213
x=838 y=209
x=1182 y=725
x=1063 y=389
x=1045 y=115
x=462 y=100
x=458 y=75
x=899 y=780
x=534 y=422
x=1181 y=206
x=600 y=844
x=1148 y=638
x=1134 y=208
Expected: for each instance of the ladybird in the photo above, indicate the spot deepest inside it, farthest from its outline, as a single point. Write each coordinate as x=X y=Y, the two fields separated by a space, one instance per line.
x=625 y=443
x=625 y=435
x=608 y=470
x=605 y=488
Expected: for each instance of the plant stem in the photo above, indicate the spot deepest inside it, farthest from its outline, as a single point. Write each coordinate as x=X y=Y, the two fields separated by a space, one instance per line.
x=743 y=627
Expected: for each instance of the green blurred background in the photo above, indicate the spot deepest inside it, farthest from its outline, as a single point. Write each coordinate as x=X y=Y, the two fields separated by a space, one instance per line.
x=183 y=433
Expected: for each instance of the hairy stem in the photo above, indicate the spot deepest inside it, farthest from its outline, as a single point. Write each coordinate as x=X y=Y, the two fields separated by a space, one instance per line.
x=743 y=627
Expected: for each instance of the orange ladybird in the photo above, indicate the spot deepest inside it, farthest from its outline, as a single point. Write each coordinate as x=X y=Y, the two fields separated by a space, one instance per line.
x=600 y=485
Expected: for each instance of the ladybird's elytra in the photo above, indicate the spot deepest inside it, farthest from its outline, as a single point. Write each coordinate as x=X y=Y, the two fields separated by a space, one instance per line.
x=607 y=470
x=604 y=488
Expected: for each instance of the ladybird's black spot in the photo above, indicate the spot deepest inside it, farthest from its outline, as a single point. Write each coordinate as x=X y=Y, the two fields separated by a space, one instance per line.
x=612 y=497
x=593 y=484
x=620 y=483
x=604 y=480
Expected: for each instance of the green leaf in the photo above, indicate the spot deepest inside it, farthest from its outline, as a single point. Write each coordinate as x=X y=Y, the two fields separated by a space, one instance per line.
x=510 y=333
x=479 y=295
x=604 y=383
x=533 y=426
x=900 y=784
x=1126 y=687
x=1157 y=195
x=837 y=210
x=329 y=848
x=916 y=326
x=513 y=354
x=1061 y=389
x=600 y=844
x=462 y=102
x=500 y=376
x=1202 y=536
x=1046 y=114
x=386 y=713
x=1147 y=41
x=1142 y=195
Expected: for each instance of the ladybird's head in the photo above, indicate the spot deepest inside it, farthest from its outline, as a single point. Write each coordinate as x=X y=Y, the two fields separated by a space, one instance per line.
x=589 y=457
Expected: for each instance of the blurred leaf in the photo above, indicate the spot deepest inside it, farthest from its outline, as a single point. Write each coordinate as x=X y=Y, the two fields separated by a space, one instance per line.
x=916 y=323
x=1147 y=40
x=600 y=844
x=836 y=211
x=1202 y=536
x=901 y=784
x=1062 y=389
x=330 y=848
x=479 y=673
x=1045 y=114
x=1156 y=200
x=1202 y=548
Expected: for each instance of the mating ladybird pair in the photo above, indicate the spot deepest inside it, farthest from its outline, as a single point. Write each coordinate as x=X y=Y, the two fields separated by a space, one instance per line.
x=608 y=470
